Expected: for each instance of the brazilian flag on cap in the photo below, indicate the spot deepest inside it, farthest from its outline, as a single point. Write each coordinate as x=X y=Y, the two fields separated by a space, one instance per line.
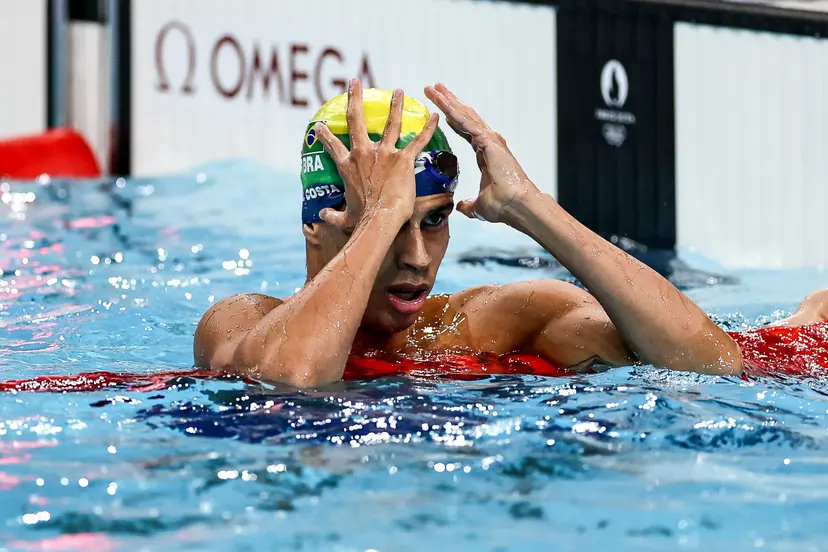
x=322 y=185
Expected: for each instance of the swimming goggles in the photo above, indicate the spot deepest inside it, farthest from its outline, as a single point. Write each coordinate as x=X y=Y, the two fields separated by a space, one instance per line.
x=435 y=172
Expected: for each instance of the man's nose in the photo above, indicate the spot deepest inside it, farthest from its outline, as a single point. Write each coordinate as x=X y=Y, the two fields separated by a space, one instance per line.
x=411 y=250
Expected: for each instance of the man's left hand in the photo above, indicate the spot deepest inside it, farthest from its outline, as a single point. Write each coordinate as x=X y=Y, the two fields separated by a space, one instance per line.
x=503 y=183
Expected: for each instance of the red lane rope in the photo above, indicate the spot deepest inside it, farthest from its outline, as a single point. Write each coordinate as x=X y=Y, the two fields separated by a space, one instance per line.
x=359 y=368
x=769 y=351
x=93 y=381
x=781 y=351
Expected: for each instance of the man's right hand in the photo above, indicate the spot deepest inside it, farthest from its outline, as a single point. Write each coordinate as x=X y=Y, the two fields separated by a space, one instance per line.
x=377 y=175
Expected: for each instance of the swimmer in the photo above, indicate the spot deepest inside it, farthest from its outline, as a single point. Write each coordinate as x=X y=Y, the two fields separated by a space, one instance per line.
x=375 y=220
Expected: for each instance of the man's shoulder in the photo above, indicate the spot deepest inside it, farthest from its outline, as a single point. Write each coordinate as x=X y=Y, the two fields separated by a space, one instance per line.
x=504 y=317
x=251 y=304
x=544 y=293
x=225 y=323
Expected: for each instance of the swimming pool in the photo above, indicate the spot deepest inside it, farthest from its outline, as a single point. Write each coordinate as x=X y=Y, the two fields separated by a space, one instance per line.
x=115 y=278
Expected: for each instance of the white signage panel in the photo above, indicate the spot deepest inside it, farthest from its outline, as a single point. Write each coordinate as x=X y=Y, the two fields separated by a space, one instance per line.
x=215 y=79
x=23 y=95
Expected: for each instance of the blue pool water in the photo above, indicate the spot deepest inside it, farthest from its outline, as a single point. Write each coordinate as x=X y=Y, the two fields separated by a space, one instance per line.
x=115 y=278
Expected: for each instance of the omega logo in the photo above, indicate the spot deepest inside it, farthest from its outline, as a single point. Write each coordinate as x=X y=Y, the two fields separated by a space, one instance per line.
x=238 y=69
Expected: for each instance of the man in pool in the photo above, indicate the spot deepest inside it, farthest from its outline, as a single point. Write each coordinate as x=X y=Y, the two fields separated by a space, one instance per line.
x=376 y=203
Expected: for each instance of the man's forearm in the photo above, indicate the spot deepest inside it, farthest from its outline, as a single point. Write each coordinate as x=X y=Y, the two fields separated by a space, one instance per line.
x=306 y=340
x=660 y=324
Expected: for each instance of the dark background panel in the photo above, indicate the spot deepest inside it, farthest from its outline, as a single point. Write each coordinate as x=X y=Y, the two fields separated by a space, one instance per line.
x=625 y=189
x=87 y=10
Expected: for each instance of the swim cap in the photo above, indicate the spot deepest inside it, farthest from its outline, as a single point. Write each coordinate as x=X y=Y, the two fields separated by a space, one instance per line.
x=435 y=169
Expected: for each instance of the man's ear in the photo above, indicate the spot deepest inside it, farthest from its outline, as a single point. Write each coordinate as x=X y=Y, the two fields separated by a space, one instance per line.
x=313 y=233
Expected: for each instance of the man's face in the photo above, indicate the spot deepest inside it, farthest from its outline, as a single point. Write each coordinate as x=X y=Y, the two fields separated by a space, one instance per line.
x=410 y=267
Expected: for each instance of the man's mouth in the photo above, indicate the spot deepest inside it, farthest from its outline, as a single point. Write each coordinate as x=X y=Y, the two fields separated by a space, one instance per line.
x=407 y=298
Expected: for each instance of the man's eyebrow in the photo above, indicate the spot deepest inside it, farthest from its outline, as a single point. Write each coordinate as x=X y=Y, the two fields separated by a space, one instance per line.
x=444 y=207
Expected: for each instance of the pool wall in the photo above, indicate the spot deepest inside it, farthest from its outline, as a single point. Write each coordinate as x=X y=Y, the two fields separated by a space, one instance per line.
x=686 y=125
x=752 y=145
x=23 y=60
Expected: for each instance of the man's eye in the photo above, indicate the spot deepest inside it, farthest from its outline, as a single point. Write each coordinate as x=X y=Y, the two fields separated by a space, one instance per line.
x=434 y=219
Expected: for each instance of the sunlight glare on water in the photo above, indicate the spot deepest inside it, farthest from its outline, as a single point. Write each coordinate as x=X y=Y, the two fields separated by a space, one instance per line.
x=115 y=278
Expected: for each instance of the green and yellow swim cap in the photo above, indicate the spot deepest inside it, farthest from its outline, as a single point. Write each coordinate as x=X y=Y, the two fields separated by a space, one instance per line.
x=322 y=185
